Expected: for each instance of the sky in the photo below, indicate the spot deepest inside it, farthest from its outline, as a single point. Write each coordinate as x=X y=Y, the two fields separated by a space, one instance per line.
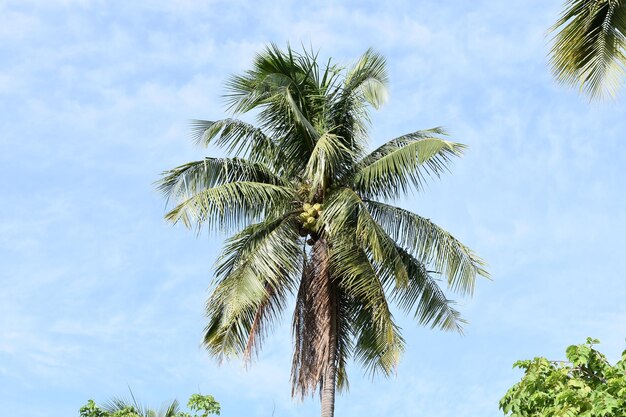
x=100 y=294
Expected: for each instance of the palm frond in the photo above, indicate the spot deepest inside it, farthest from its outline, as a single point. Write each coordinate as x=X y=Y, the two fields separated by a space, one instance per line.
x=431 y=245
x=231 y=205
x=365 y=83
x=169 y=410
x=425 y=298
x=378 y=344
x=327 y=158
x=238 y=138
x=589 y=46
x=406 y=167
x=283 y=87
x=118 y=404
x=346 y=215
x=368 y=77
x=191 y=178
x=257 y=270
x=394 y=144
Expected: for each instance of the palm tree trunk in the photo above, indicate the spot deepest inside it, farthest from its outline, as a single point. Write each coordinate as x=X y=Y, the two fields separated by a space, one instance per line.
x=330 y=374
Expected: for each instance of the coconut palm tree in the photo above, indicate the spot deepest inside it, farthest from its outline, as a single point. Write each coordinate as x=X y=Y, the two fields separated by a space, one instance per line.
x=589 y=49
x=313 y=220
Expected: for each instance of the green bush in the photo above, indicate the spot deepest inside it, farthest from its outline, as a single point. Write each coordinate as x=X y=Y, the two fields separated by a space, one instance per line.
x=586 y=385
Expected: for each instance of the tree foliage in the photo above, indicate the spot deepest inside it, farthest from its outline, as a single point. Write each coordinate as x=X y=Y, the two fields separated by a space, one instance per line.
x=586 y=385
x=201 y=405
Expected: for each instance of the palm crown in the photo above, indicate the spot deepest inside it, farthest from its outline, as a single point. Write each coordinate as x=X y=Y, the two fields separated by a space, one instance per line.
x=311 y=209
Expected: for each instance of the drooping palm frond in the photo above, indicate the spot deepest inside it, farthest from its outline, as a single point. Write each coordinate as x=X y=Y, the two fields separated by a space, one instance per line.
x=256 y=272
x=231 y=205
x=432 y=245
x=404 y=164
x=589 y=46
x=346 y=215
x=378 y=343
x=424 y=297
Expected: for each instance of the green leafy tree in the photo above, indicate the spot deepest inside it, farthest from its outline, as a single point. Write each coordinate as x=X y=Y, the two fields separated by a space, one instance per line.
x=589 y=48
x=202 y=405
x=310 y=208
x=586 y=385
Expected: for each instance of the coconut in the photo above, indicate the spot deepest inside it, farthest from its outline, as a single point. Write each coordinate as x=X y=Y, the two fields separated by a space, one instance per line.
x=310 y=220
x=317 y=206
x=306 y=206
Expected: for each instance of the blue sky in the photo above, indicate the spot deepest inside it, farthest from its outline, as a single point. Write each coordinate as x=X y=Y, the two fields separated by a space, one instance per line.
x=99 y=293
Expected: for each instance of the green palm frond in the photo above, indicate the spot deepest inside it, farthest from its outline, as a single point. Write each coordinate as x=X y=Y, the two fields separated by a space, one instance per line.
x=431 y=245
x=346 y=215
x=589 y=49
x=272 y=70
x=345 y=336
x=191 y=178
x=394 y=144
x=328 y=157
x=230 y=205
x=285 y=91
x=378 y=343
x=257 y=270
x=403 y=164
x=238 y=138
x=425 y=298
x=368 y=78
x=365 y=83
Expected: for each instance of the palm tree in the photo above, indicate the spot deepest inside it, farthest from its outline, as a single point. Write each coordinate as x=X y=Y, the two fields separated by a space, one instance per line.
x=589 y=49
x=311 y=209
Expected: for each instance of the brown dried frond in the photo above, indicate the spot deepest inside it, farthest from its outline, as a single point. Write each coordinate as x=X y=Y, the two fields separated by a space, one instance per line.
x=312 y=324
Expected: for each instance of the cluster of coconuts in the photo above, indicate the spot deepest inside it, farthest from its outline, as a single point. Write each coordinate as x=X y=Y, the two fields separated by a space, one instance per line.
x=308 y=217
